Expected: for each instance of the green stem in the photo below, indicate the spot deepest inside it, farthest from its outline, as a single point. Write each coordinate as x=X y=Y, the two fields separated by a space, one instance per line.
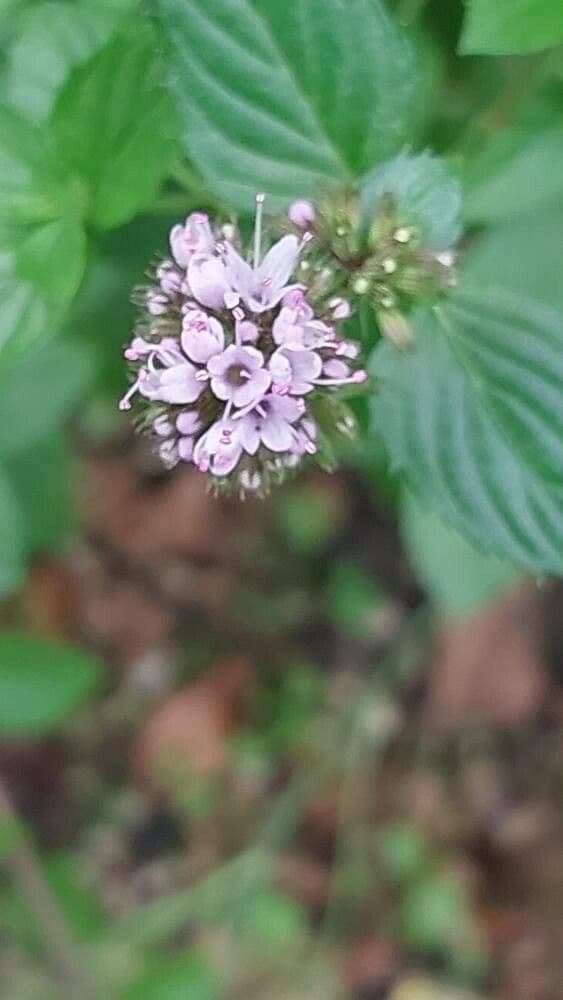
x=57 y=939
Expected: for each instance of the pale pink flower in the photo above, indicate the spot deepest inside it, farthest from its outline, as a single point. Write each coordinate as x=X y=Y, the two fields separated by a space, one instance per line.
x=202 y=336
x=194 y=236
x=208 y=281
x=270 y=422
x=294 y=371
x=295 y=329
x=219 y=449
x=261 y=288
x=238 y=375
x=177 y=384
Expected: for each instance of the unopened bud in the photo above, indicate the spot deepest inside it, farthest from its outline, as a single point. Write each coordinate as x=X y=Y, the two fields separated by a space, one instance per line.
x=340 y=308
x=402 y=235
x=394 y=326
x=361 y=286
x=302 y=214
x=446 y=258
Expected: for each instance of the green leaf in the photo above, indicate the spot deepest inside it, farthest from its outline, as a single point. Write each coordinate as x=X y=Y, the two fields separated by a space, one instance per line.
x=352 y=598
x=176 y=979
x=40 y=682
x=472 y=416
x=515 y=174
x=432 y=913
x=53 y=258
x=269 y=921
x=505 y=27
x=12 y=552
x=115 y=126
x=42 y=480
x=284 y=97
x=54 y=37
x=426 y=192
x=32 y=184
x=522 y=255
x=456 y=576
x=39 y=391
x=403 y=851
x=26 y=316
x=81 y=908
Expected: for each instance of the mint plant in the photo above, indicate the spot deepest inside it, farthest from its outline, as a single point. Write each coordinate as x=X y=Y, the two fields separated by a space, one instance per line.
x=135 y=112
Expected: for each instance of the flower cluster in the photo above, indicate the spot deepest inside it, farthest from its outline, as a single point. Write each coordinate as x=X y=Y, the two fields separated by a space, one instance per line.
x=228 y=356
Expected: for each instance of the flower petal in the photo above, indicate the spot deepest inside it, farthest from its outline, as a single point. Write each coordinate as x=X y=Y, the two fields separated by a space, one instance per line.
x=249 y=435
x=279 y=262
x=253 y=389
x=208 y=281
x=202 y=337
x=276 y=434
x=179 y=384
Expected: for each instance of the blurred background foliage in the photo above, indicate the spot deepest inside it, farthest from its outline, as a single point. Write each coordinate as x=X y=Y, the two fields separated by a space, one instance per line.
x=309 y=748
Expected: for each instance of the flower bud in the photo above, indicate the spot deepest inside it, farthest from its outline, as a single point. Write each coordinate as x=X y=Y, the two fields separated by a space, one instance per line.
x=396 y=327
x=302 y=214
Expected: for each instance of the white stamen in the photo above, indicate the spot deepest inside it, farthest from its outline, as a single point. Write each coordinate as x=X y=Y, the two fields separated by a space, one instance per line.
x=260 y=198
x=357 y=378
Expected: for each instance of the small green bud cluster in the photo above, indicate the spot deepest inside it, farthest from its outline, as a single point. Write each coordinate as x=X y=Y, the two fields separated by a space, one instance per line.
x=385 y=263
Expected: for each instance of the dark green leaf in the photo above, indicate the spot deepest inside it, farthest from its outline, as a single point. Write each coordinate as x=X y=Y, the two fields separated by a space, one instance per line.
x=40 y=682
x=42 y=480
x=457 y=577
x=39 y=391
x=115 y=127
x=282 y=97
x=426 y=192
x=12 y=549
x=473 y=417
x=496 y=27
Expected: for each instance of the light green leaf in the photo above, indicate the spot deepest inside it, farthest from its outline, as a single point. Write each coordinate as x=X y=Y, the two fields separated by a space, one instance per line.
x=40 y=682
x=32 y=185
x=403 y=851
x=52 y=257
x=426 y=193
x=39 y=391
x=472 y=416
x=283 y=97
x=115 y=125
x=53 y=37
x=505 y=27
x=515 y=174
x=457 y=577
x=25 y=317
x=12 y=549
x=433 y=912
